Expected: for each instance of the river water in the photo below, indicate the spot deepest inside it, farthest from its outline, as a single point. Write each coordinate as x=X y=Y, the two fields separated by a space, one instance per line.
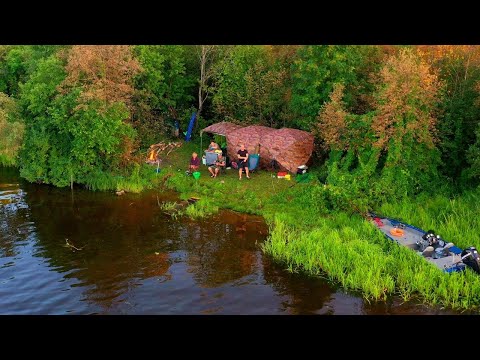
x=83 y=252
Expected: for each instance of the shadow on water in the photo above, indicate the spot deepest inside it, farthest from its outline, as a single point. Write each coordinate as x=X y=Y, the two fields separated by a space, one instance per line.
x=85 y=252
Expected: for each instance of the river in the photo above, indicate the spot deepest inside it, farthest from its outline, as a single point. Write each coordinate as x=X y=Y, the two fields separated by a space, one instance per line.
x=83 y=252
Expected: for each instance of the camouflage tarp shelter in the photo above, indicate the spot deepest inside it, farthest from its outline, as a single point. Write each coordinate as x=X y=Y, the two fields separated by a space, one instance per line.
x=289 y=147
x=221 y=128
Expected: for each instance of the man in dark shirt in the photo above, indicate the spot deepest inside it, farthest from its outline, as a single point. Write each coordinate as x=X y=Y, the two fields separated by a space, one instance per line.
x=242 y=161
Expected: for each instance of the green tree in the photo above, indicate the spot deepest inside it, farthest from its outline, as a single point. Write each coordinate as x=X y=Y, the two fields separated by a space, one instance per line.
x=18 y=62
x=251 y=86
x=164 y=89
x=458 y=67
x=318 y=68
x=36 y=97
x=11 y=130
x=390 y=151
x=77 y=116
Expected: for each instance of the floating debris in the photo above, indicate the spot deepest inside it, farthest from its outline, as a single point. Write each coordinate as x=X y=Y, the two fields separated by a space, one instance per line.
x=73 y=247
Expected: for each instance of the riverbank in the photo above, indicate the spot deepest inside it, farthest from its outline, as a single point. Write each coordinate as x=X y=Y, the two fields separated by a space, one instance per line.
x=308 y=235
x=124 y=256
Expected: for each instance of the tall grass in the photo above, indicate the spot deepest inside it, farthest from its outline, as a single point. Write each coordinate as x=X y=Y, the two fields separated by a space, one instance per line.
x=309 y=234
x=201 y=208
x=141 y=177
x=168 y=206
x=359 y=257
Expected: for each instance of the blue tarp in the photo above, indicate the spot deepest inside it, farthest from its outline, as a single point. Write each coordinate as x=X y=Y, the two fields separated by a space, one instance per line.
x=190 y=127
x=253 y=160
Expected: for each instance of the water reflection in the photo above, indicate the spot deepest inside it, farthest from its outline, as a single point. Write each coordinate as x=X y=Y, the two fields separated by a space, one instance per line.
x=82 y=252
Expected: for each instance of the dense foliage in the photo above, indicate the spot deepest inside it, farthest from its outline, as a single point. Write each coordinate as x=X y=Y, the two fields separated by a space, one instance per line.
x=404 y=118
x=398 y=128
x=11 y=130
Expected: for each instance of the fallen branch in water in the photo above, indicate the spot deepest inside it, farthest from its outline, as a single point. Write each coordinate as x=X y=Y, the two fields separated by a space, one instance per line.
x=72 y=246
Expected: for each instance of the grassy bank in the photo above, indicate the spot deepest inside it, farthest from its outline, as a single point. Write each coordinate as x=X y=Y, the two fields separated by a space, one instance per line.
x=139 y=178
x=308 y=235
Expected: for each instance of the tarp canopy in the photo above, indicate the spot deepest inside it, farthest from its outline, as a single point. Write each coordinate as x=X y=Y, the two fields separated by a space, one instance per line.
x=289 y=147
x=221 y=128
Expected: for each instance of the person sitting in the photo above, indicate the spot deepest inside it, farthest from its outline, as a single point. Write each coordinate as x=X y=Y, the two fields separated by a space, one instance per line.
x=215 y=168
x=242 y=162
x=194 y=163
x=213 y=147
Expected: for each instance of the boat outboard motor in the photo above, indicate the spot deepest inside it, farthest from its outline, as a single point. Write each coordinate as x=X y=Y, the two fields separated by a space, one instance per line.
x=432 y=239
x=428 y=239
x=471 y=258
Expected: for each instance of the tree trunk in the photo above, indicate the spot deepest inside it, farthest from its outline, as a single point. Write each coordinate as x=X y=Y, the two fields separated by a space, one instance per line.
x=202 y=80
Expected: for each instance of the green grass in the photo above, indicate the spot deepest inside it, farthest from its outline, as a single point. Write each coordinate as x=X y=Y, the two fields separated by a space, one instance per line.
x=355 y=254
x=307 y=234
x=141 y=177
x=168 y=206
x=6 y=160
x=225 y=191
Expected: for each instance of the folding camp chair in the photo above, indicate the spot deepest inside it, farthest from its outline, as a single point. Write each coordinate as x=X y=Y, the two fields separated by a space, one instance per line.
x=252 y=162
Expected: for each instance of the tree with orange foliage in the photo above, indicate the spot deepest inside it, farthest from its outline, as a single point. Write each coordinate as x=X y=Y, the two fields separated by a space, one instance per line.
x=104 y=73
x=405 y=101
x=394 y=144
x=332 y=125
x=77 y=116
x=404 y=124
x=458 y=67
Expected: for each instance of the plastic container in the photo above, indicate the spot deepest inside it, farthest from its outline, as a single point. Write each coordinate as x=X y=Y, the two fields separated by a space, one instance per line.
x=253 y=160
x=302 y=169
x=196 y=175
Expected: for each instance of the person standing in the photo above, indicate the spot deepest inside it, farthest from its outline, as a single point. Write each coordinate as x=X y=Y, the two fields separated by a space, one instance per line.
x=242 y=161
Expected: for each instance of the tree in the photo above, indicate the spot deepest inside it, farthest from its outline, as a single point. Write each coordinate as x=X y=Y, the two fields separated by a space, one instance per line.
x=458 y=67
x=18 y=62
x=406 y=101
x=11 y=130
x=318 y=68
x=104 y=72
x=206 y=56
x=164 y=89
x=389 y=151
x=251 y=86
x=404 y=123
x=77 y=116
x=332 y=122
x=36 y=97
